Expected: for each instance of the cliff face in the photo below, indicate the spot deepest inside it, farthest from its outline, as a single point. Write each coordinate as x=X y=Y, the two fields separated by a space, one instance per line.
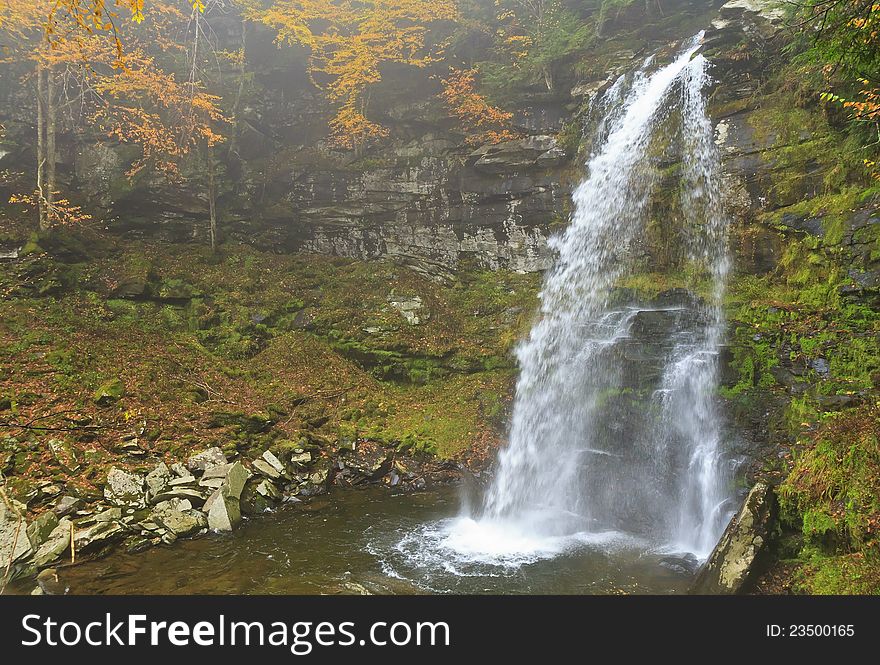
x=425 y=197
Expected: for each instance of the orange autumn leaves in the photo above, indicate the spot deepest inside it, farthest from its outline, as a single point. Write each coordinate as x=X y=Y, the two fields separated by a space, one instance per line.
x=489 y=123
x=349 y=41
x=148 y=107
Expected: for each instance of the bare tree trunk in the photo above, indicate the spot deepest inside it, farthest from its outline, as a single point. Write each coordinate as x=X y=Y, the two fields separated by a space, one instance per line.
x=41 y=152
x=51 y=153
x=212 y=200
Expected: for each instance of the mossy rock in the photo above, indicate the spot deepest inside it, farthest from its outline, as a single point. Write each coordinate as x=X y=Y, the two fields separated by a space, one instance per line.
x=109 y=392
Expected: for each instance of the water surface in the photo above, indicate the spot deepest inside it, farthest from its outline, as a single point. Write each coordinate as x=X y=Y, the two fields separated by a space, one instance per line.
x=371 y=541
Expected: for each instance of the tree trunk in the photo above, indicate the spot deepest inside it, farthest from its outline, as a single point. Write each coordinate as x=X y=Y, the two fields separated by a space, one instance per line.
x=212 y=200
x=51 y=153
x=41 y=152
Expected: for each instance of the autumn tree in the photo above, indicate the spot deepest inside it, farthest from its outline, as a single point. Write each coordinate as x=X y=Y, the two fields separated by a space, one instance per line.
x=484 y=122
x=126 y=94
x=349 y=41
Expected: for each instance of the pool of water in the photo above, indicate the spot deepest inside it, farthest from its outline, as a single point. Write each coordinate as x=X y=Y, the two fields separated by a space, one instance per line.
x=377 y=542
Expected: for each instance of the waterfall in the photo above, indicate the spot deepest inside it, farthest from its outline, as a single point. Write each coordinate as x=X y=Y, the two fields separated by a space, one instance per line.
x=574 y=466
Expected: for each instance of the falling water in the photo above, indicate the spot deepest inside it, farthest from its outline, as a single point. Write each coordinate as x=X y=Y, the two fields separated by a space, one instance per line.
x=579 y=467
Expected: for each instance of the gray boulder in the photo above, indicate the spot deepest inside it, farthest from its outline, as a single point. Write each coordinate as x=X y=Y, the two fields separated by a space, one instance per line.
x=201 y=462
x=737 y=559
x=178 y=517
x=273 y=461
x=224 y=507
x=55 y=545
x=124 y=489
x=66 y=505
x=38 y=531
x=266 y=469
x=225 y=513
x=14 y=543
x=158 y=479
x=97 y=533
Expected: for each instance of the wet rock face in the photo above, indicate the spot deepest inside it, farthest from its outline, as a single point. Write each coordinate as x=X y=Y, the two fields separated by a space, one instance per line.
x=739 y=555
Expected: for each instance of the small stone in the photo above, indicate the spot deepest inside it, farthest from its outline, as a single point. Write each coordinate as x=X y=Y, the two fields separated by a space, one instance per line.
x=180 y=470
x=49 y=583
x=267 y=489
x=301 y=458
x=185 y=480
x=266 y=469
x=319 y=477
x=205 y=460
x=108 y=515
x=51 y=490
x=66 y=505
x=212 y=483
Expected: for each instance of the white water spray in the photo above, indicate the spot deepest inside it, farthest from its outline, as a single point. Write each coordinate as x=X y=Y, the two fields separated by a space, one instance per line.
x=568 y=474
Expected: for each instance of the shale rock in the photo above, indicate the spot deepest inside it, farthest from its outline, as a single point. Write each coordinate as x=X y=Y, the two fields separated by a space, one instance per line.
x=178 y=517
x=38 y=531
x=738 y=557
x=124 y=489
x=55 y=545
x=14 y=543
x=204 y=460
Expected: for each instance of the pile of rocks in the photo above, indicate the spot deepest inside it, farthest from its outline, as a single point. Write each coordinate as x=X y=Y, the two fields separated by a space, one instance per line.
x=183 y=500
x=207 y=492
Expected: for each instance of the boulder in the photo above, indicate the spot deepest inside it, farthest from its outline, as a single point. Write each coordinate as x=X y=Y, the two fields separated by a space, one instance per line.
x=14 y=543
x=273 y=461
x=183 y=493
x=109 y=392
x=410 y=309
x=66 y=505
x=38 y=531
x=223 y=507
x=108 y=515
x=266 y=469
x=218 y=471
x=178 y=517
x=124 y=489
x=55 y=545
x=99 y=532
x=201 y=462
x=737 y=559
x=158 y=478
x=371 y=463
x=225 y=513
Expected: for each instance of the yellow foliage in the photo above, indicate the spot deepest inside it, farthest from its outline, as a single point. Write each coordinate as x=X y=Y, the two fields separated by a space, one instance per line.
x=488 y=123
x=348 y=41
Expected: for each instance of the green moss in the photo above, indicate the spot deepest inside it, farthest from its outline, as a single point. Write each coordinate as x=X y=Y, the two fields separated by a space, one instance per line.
x=845 y=574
